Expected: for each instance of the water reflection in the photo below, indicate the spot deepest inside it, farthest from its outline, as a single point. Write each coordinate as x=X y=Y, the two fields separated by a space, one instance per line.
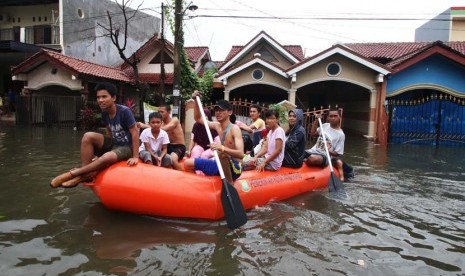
x=404 y=215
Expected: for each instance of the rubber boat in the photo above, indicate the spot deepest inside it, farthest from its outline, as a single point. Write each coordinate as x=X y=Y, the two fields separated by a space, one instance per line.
x=150 y=190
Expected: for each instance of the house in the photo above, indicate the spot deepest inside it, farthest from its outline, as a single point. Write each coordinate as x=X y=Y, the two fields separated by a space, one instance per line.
x=49 y=74
x=425 y=91
x=447 y=26
x=368 y=80
x=69 y=26
x=265 y=71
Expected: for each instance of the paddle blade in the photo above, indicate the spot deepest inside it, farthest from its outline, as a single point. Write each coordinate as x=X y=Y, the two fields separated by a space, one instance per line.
x=232 y=206
x=335 y=184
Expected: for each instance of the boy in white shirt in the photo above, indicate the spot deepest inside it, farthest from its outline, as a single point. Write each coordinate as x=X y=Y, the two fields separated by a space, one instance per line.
x=155 y=143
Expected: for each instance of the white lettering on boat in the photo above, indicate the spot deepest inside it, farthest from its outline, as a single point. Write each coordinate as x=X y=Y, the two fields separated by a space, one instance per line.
x=275 y=179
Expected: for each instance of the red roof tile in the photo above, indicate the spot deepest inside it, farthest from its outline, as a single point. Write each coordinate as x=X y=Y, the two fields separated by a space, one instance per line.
x=387 y=52
x=154 y=78
x=76 y=66
x=295 y=50
x=196 y=53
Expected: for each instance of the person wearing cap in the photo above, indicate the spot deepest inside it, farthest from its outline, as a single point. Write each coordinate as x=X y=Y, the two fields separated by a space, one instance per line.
x=230 y=149
x=120 y=143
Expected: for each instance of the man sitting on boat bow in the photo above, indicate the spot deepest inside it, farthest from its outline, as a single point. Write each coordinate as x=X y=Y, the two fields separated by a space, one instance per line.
x=231 y=148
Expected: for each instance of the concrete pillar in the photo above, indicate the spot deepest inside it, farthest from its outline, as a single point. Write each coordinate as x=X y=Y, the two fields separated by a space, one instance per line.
x=291 y=97
x=226 y=94
x=371 y=121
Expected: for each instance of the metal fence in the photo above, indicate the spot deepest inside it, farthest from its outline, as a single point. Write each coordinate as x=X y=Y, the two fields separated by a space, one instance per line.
x=241 y=110
x=48 y=110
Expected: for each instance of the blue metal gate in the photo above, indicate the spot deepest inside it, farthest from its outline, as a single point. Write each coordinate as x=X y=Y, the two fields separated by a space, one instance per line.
x=434 y=119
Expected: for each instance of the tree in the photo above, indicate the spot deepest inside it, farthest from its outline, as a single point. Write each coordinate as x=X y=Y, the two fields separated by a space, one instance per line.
x=117 y=29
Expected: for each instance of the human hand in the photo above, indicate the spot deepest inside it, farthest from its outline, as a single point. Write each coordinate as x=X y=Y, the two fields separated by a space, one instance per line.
x=260 y=167
x=132 y=161
x=195 y=94
x=215 y=146
x=159 y=161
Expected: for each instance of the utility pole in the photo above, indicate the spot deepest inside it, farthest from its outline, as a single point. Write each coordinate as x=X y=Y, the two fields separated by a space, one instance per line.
x=162 y=54
x=178 y=43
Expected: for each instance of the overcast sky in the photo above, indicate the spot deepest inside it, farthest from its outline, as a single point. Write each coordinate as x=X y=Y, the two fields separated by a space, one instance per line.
x=315 y=25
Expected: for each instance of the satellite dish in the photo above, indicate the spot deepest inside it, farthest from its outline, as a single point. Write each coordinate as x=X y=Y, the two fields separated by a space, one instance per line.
x=209 y=65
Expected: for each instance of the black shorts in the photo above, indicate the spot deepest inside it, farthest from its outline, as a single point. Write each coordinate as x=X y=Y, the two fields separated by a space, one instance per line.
x=179 y=149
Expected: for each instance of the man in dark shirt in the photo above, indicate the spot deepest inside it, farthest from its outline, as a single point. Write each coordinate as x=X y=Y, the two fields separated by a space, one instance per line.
x=120 y=143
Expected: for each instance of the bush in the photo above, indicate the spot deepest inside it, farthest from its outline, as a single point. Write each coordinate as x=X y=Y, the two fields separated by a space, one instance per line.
x=89 y=117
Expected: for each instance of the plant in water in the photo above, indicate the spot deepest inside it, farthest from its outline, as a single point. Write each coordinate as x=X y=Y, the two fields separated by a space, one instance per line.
x=89 y=117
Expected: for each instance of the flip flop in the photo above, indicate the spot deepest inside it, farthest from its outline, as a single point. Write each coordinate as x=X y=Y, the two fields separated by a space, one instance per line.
x=59 y=180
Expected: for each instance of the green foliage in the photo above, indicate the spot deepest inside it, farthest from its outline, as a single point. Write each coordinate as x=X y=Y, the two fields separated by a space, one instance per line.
x=206 y=84
x=189 y=79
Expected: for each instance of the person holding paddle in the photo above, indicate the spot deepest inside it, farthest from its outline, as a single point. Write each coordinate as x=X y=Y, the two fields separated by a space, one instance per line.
x=231 y=148
x=335 y=138
x=120 y=143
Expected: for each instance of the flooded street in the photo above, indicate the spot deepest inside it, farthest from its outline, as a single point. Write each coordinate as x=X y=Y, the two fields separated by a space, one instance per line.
x=404 y=215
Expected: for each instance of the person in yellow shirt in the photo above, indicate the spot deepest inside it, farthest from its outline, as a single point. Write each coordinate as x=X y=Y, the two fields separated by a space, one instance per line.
x=255 y=128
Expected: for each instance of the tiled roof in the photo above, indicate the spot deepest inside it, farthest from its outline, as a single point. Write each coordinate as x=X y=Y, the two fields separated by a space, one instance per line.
x=451 y=48
x=154 y=78
x=387 y=52
x=77 y=66
x=147 y=47
x=295 y=50
x=233 y=52
x=196 y=53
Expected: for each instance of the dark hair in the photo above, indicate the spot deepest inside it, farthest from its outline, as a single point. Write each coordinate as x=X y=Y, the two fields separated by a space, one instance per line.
x=110 y=87
x=259 y=108
x=155 y=115
x=271 y=112
x=335 y=109
x=167 y=106
x=208 y=114
x=232 y=119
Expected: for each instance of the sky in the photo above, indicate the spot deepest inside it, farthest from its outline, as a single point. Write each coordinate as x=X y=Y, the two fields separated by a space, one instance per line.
x=315 y=25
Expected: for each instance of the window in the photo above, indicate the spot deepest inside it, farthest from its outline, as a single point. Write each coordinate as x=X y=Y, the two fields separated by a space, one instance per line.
x=333 y=69
x=257 y=74
x=80 y=13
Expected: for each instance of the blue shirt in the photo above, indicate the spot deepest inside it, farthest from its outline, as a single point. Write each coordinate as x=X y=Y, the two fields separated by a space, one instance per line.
x=119 y=125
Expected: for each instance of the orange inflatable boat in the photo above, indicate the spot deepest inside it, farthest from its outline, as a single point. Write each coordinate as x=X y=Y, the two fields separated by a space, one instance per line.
x=150 y=190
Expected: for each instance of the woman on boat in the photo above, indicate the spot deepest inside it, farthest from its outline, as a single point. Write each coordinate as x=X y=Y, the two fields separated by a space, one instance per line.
x=271 y=155
x=199 y=145
x=295 y=140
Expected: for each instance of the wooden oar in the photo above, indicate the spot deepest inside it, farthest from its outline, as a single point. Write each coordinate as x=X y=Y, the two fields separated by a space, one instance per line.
x=334 y=183
x=232 y=205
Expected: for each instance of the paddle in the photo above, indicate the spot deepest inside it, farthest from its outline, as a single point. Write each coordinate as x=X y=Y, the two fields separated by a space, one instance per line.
x=232 y=205
x=334 y=183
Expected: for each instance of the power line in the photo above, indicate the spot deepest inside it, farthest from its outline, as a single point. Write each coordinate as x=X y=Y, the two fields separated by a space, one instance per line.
x=321 y=18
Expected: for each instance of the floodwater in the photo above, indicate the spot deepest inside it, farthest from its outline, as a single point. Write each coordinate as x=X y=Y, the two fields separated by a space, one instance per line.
x=404 y=215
